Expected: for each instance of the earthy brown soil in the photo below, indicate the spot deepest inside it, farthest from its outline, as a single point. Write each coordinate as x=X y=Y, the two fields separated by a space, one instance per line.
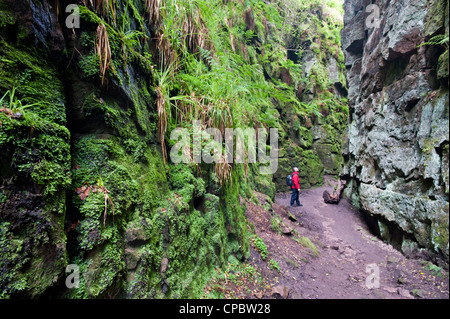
x=346 y=251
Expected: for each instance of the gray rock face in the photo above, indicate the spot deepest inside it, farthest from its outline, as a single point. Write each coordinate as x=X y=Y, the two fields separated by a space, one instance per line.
x=397 y=154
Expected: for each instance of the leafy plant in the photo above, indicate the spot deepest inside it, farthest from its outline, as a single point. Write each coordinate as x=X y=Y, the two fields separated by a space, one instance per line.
x=14 y=106
x=273 y=264
x=435 y=270
x=130 y=39
x=440 y=39
x=260 y=247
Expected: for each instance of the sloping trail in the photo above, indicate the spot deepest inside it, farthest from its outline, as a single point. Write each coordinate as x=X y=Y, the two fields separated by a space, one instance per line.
x=347 y=254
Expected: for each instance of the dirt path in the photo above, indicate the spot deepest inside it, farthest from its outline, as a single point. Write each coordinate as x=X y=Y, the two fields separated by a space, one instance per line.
x=343 y=256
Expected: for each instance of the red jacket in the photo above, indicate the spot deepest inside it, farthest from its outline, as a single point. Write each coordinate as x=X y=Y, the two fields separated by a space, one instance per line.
x=295 y=180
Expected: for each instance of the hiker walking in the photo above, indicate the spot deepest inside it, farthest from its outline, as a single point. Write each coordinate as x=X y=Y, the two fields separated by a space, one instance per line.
x=295 y=188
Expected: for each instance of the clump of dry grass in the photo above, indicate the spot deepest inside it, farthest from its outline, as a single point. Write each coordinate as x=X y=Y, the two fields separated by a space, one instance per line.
x=103 y=50
x=162 y=89
x=108 y=200
x=162 y=119
x=222 y=169
x=103 y=6
x=153 y=8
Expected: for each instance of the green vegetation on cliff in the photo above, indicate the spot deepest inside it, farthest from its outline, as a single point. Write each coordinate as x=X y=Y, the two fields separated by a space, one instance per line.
x=84 y=137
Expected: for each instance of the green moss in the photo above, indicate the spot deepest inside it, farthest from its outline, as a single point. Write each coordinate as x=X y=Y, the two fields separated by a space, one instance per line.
x=102 y=274
x=265 y=185
x=200 y=240
x=24 y=69
x=311 y=168
x=30 y=265
x=6 y=17
x=234 y=215
x=306 y=139
x=130 y=183
x=36 y=149
x=11 y=259
x=90 y=228
x=190 y=250
x=41 y=142
x=442 y=68
x=182 y=180
x=307 y=243
x=141 y=99
x=135 y=177
x=90 y=154
x=51 y=175
x=151 y=179
x=440 y=230
x=90 y=66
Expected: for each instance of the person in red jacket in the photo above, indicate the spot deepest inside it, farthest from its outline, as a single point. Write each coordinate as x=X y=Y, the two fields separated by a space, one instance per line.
x=295 y=188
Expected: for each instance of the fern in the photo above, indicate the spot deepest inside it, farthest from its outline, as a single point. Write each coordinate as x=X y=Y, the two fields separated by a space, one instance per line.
x=440 y=39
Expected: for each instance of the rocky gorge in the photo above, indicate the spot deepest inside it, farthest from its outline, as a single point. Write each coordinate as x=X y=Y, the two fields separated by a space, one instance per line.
x=91 y=90
x=90 y=95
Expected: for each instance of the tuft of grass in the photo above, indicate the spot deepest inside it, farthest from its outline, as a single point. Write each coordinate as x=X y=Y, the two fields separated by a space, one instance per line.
x=14 y=108
x=273 y=264
x=291 y=262
x=222 y=169
x=13 y=104
x=307 y=243
x=103 y=50
x=153 y=7
x=275 y=224
x=163 y=103
x=103 y=6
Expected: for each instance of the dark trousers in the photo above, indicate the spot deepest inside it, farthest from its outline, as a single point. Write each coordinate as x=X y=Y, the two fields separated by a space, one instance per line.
x=294 y=197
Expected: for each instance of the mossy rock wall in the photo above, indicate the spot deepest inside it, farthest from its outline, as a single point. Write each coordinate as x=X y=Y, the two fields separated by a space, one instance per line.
x=313 y=142
x=34 y=163
x=83 y=180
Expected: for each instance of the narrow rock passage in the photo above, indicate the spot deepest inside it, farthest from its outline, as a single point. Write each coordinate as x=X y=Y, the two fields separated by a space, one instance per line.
x=350 y=262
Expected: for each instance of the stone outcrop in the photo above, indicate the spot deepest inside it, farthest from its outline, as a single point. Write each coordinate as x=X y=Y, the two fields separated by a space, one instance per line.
x=398 y=146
